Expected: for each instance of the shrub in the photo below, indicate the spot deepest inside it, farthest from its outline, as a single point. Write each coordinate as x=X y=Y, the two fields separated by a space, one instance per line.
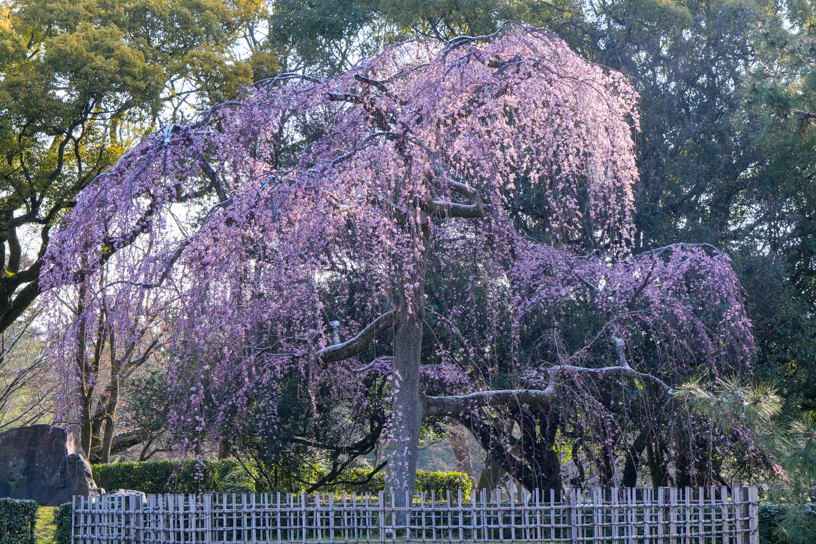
x=17 y=520
x=228 y=476
x=441 y=482
x=769 y=517
x=237 y=480
x=437 y=482
x=62 y=519
x=157 y=477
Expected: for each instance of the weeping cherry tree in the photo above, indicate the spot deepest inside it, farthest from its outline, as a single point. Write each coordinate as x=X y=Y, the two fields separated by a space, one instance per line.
x=297 y=229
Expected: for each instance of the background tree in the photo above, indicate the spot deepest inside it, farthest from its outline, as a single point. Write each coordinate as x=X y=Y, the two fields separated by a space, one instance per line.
x=80 y=81
x=23 y=375
x=107 y=332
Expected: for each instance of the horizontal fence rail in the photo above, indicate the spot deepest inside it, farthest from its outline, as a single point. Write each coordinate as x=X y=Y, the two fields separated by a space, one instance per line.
x=717 y=515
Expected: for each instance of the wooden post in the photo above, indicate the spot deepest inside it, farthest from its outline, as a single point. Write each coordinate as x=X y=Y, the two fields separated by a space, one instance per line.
x=461 y=517
x=673 y=506
x=381 y=510
x=726 y=522
x=753 y=509
x=660 y=517
x=597 y=500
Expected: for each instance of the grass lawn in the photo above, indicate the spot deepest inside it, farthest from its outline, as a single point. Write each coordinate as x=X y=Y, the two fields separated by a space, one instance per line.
x=44 y=530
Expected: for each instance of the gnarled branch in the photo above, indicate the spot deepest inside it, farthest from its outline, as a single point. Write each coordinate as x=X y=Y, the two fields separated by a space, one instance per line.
x=454 y=405
x=455 y=209
x=339 y=352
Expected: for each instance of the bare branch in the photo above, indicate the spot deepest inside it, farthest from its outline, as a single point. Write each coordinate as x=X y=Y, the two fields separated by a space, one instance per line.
x=339 y=352
x=455 y=405
x=471 y=210
x=463 y=189
x=373 y=83
x=805 y=114
x=454 y=209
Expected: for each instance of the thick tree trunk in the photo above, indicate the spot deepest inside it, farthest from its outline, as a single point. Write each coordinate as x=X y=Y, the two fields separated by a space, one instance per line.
x=224 y=449
x=491 y=474
x=657 y=466
x=110 y=416
x=107 y=441
x=97 y=422
x=408 y=410
x=461 y=451
x=85 y=426
x=539 y=430
x=85 y=388
x=630 y=470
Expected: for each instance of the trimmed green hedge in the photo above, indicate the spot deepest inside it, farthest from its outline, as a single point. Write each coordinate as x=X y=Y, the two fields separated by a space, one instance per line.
x=157 y=477
x=62 y=519
x=769 y=517
x=440 y=482
x=436 y=482
x=17 y=520
x=227 y=476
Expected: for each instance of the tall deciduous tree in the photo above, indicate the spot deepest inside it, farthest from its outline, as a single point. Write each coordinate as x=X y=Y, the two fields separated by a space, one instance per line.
x=320 y=212
x=78 y=82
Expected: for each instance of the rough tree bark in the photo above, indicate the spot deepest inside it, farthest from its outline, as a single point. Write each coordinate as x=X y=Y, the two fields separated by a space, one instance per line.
x=461 y=451
x=408 y=410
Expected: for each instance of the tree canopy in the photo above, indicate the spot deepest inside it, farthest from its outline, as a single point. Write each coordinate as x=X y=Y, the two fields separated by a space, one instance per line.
x=79 y=82
x=305 y=228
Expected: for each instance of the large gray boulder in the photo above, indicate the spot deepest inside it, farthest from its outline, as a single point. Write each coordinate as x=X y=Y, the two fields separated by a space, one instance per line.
x=44 y=464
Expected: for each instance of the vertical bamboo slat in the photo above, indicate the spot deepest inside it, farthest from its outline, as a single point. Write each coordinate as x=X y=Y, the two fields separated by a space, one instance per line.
x=616 y=516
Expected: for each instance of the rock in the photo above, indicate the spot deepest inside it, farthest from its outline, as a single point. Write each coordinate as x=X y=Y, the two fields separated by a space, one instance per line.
x=44 y=464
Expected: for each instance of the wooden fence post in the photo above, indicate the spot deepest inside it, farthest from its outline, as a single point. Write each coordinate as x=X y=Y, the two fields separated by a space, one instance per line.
x=753 y=509
x=633 y=516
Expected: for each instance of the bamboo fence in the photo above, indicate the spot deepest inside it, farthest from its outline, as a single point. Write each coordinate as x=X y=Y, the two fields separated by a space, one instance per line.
x=717 y=515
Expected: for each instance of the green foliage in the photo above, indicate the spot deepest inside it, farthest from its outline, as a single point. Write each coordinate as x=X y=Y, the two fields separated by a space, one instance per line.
x=441 y=482
x=62 y=518
x=322 y=36
x=786 y=524
x=156 y=477
x=80 y=80
x=769 y=518
x=445 y=19
x=17 y=520
x=228 y=476
x=437 y=482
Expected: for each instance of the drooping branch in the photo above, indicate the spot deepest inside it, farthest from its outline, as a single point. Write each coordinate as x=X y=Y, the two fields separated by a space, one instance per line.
x=454 y=405
x=340 y=352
